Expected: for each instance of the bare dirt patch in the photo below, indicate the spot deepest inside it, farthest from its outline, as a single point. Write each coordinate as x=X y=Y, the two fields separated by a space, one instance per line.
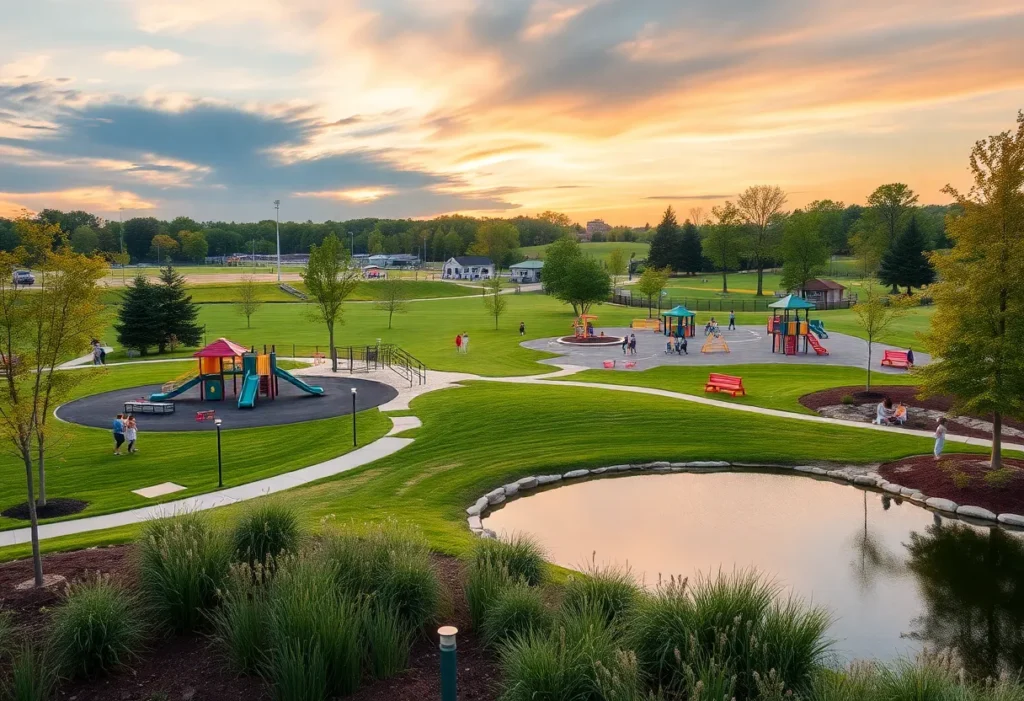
x=965 y=479
x=53 y=509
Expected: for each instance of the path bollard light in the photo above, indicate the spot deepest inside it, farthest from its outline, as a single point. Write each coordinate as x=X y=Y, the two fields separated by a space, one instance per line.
x=354 y=417
x=220 y=464
x=448 y=666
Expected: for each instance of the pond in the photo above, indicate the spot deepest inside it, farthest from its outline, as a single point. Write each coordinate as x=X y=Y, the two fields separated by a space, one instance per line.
x=896 y=577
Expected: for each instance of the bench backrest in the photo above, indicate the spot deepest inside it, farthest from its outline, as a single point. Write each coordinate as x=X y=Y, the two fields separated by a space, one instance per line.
x=716 y=378
x=895 y=355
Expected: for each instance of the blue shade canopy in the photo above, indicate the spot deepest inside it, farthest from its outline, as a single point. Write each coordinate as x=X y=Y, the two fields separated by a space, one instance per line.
x=679 y=311
x=792 y=302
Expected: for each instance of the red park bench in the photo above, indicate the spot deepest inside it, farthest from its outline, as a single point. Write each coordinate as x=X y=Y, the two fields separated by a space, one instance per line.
x=895 y=359
x=725 y=383
x=205 y=415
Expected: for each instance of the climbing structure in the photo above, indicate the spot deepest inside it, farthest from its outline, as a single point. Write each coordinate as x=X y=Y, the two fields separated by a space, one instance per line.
x=715 y=343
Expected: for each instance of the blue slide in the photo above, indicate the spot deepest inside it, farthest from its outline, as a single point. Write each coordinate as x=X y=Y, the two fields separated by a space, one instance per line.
x=285 y=375
x=164 y=396
x=250 y=387
x=818 y=327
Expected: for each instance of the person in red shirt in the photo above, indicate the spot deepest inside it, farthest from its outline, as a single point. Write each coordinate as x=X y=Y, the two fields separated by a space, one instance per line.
x=458 y=343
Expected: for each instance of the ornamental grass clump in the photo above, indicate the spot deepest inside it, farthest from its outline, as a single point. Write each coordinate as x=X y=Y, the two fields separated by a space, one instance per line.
x=183 y=563
x=518 y=554
x=517 y=610
x=608 y=589
x=98 y=628
x=264 y=532
x=240 y=623
x=32 y=675
x=386 y=641
x=485 y=582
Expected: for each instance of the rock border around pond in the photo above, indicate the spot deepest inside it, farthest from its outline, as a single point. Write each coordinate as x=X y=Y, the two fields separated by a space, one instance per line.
x=841 y=474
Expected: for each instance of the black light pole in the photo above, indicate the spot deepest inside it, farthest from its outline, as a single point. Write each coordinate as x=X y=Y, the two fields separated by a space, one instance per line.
x=220 y=464
x=354 y=417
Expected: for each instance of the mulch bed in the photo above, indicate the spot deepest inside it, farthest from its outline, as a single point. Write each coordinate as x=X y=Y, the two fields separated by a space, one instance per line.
x=905 y=394
x=190 y=668
x=939 y=479
x=53 y=509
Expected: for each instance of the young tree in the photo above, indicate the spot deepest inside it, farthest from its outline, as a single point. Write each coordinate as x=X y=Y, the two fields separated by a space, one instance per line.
x=691 y=254
x=138 y=322
x=494 y=301
x=905 y=264
x=875 y=312
x=803 y=251
x=38 y=329
x=617 y=263
x=248 y=301
x=121 y=259
x=759 y=206
x=176 y=313
x=393 y=296
x=725 y=241
x=574 y=278
x=978 y=328
x=651 y=283
x=498 y=240
x=163 y=248
x=330 y=280
x=665 y=244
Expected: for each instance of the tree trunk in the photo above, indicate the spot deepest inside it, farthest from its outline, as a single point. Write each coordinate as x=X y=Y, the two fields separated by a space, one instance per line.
x=334 y=354
x=41 y=501
x=997 y=440
x=649 y=306
x=869 y=365
x=760 y=281
x=391 y=313
x=725 y=282
x=37 y=560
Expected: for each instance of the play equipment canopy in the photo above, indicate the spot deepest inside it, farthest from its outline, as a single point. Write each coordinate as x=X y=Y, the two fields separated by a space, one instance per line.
x=684 y=321
x=221 y=348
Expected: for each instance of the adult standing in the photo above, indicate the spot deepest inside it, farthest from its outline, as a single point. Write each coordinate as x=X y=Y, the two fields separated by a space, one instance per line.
x=458 y=343
x=465 y=341
x=625 y=343
x=732 y=320
x=910 y=357
x=118 y=434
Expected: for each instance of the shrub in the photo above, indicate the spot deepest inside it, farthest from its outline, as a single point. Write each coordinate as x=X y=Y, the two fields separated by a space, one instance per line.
x=386 y=641
x=610 y=590
x=1000 y=478
x=315 y=629
x=515 y=611
x=6 y=633
x=240 y=622
x=961 y=480
x=98 y=628
x=848 y=400
x=484 y=583
x=264 y=532
x=32 y=675
x=519 y=555
x=659 y=626
x=183 y=563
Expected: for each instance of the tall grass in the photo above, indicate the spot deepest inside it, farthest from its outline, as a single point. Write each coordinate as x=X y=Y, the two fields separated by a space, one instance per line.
x=519 y=555
x=485 y=582
x=610 y=590
x=6 y=633
x=32 y=676
x=99 y=627
x=265 y=531
x=515 y=611
x=183 y=562
x=386 y=641
x=240 y=623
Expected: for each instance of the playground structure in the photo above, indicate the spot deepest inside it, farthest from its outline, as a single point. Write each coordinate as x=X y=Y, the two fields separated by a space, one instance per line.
x=583 y=326
x=648 y=324
x=682 y=319
x=585 y=334
x=715 y=343
x=789 y=329
x=259 y=375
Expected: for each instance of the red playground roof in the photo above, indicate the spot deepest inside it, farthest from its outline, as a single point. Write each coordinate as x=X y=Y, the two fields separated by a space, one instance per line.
x=221 y=348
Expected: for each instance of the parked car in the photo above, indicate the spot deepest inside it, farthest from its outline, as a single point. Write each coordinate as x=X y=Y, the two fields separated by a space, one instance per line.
x=23 y=277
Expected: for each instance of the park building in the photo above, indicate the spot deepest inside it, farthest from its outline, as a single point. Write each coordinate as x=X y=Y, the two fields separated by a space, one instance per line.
x=468 y=268
x=527 y=272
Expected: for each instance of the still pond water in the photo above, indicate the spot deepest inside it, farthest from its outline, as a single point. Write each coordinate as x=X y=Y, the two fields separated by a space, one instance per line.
x=895 y=576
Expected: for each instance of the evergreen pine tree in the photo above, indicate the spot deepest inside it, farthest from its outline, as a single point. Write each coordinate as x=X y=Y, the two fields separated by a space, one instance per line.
x=664 y=251
x=176 y=313
x=138 y=324
x=691 y=255
x=905 y=263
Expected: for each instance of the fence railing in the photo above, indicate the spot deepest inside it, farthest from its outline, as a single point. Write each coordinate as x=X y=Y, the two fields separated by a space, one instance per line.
x=384 y=356
x=717 y=305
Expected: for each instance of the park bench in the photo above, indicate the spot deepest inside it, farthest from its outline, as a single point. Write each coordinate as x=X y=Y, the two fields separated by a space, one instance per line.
x=895 y=359
x=725 y=383
x=142 y=406
x=205 y=415
x=319 y=358
x=649 y=324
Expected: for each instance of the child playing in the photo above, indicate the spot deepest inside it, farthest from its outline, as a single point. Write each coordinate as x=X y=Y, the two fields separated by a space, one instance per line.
x=131 y=433
x=940 y=437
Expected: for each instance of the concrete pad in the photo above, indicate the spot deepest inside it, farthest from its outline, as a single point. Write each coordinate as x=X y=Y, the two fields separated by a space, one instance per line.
x=158 y=490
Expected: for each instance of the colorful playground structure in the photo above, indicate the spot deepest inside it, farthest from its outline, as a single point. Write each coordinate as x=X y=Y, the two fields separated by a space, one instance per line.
x=789 y=329
x=221 y=359
x=679 y=321
x=583 y=326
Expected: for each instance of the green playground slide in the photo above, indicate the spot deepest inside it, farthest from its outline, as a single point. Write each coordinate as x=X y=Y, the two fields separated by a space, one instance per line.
x=250 y=387
x=164 y=396
x=818 y=327
x=288 y=377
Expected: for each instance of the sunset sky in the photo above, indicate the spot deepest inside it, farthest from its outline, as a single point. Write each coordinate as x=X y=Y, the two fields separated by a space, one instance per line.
x=413 y=108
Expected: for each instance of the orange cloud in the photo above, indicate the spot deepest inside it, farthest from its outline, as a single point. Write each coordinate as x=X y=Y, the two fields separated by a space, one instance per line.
x=96 y=199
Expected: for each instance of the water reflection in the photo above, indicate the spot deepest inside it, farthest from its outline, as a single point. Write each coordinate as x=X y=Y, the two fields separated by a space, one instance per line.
x=896 y=576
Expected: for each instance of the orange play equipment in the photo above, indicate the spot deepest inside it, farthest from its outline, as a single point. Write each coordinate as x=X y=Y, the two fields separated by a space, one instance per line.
x=583 y=326
x=787 y=329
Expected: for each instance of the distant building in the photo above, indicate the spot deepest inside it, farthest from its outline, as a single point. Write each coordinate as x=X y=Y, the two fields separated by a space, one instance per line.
x=595 y=226
x=526 y=272
x=394 y=260
x=468 y=268
x=824 y=291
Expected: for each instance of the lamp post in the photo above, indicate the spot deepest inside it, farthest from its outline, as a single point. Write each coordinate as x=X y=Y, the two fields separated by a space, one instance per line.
x=277 y=208
x=449 y=670
x=220 y=464
x=354 y=417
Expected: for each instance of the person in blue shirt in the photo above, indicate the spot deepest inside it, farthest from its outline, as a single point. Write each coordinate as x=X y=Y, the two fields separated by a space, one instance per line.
x=118 y=434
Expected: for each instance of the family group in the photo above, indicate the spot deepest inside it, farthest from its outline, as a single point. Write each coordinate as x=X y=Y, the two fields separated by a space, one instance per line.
x=125 y=429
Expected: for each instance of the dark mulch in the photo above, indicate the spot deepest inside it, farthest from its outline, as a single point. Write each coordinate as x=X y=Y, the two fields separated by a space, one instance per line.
x=941 y=478
x=190 y=668
x=53 y=509
x=905 y=394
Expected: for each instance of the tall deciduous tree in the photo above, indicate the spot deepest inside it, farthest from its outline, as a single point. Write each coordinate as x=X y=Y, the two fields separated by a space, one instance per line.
x=194 y=246
x=803 y=251
x=830 y=224
x=891 y=204
x=392 y=296
x=330 y=280
x=38 y=329
x=138 y=236
x=759 y=206
x=573 y=277
x=498 y=240
x=725 y=241
x=494 y=301
x=163 y=248
x=691 y=254
x=85 y=240
x=664 y=252
x=248 y=299
x=651 y=283
x=905 y=263
x=617 y=263
x=876 y=312
x=978 y=328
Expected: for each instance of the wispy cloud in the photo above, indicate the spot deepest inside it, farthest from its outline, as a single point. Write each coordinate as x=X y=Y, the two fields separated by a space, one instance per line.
x=142 y=58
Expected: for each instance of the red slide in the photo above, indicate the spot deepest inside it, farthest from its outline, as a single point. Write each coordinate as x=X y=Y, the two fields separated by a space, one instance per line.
x=818 y=348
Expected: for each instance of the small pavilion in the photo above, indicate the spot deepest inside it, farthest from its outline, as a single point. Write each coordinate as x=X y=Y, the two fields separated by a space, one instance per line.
x=211 y=365
x=786 y=326
x=682 y=319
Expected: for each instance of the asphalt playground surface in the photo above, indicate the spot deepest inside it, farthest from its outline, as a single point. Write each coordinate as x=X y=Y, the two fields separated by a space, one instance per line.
x=291 y=406
x=748 y=345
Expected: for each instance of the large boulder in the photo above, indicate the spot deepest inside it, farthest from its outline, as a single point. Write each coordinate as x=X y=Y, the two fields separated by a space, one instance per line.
x=976 y=512
x=942 y=504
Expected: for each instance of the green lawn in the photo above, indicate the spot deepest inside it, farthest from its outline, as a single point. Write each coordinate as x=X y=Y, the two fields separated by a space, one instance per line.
x=465 y=448
x=599 y=250
x=82 y=466
x=771 y=386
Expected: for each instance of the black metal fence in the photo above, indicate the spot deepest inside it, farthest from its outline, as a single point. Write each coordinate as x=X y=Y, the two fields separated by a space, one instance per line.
x=386 y=355
x=716 y=305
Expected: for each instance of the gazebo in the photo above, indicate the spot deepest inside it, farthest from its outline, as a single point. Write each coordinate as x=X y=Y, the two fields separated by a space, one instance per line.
x=684 y=322
x=212 y=366
x=788 y=328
